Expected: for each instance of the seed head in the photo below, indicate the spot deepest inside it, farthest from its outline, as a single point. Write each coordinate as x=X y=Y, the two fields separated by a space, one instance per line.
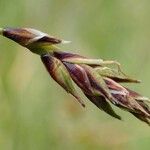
x=101 y=84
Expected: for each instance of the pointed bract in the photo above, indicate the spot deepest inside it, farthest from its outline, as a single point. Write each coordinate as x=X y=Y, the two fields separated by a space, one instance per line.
x=114 y=74
x=60 y=74
x=102 y=104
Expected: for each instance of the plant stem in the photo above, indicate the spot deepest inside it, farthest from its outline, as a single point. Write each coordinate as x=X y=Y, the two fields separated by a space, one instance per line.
x=1 y=31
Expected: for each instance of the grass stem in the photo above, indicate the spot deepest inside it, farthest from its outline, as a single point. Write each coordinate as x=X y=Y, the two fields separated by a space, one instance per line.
x=1 y=31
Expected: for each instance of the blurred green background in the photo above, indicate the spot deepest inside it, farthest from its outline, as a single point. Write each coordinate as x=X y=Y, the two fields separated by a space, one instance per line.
x=37 y=114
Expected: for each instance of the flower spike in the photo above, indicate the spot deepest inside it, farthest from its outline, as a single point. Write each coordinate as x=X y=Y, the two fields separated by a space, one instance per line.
x=99 y=83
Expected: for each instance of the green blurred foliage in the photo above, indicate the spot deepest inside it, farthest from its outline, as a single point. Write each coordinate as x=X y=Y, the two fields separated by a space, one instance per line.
x=35 y=113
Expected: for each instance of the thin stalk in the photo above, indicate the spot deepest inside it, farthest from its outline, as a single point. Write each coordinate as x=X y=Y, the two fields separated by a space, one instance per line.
x=1 y=31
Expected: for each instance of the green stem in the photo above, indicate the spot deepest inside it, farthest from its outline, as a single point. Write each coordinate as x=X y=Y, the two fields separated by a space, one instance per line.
x=1 y=31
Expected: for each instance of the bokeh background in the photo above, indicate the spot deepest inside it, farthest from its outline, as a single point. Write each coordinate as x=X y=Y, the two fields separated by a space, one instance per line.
x=37 y=114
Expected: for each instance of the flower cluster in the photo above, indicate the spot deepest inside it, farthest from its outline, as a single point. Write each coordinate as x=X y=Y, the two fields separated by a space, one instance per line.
x=99 y=83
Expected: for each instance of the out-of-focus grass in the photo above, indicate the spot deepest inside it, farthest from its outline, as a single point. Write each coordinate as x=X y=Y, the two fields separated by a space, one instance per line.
x=35 y=113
